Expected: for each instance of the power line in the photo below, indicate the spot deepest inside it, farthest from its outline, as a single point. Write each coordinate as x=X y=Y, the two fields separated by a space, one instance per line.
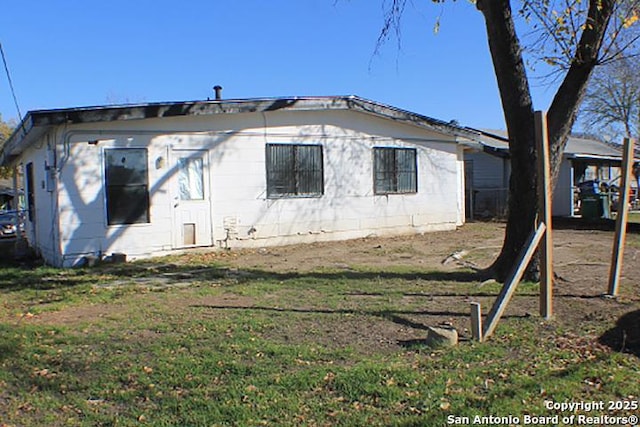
x=13 y=92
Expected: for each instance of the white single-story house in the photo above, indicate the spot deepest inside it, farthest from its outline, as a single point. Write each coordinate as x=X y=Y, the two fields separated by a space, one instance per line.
x=148 y=179
x=487 y=171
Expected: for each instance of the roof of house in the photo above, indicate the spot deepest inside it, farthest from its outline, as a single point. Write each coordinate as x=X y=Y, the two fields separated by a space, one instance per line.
x=37 y=123
x=496 y=142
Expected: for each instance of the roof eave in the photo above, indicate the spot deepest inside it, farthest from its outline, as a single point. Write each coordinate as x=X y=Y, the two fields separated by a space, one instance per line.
x=38 y=122
x=24 y=134
x=397 y=114
x=598 y=157
x=159 y=110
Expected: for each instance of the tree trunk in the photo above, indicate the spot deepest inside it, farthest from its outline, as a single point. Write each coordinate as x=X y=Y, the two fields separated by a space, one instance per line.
x=518 y=111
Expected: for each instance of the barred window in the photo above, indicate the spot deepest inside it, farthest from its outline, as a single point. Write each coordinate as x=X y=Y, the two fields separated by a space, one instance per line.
x=395 y=171
x=294 y=170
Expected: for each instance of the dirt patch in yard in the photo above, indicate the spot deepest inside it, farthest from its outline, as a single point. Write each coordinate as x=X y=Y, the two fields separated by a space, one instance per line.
x=581 y=259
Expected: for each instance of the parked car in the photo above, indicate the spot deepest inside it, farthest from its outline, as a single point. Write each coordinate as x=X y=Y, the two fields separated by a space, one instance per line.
x=8 y=226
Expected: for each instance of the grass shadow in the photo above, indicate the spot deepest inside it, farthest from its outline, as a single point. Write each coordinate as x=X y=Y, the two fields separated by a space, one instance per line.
x=625 y=336
x=29 y=275
x=395 y=316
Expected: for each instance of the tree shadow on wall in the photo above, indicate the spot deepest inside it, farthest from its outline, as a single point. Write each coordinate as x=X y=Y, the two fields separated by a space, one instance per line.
x=625 y=336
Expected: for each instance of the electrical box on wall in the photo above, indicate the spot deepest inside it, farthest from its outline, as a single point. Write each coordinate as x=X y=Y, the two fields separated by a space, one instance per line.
x=50 y=171
x=50 y=177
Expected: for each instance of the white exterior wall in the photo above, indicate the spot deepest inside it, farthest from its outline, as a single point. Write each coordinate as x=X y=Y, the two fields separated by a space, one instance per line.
x=490 y=181
x=563 y=193
x=492 y=173
x=489 y=171
x=348 y=207
x=240 y=213
x=461 y=189
x=41 y=233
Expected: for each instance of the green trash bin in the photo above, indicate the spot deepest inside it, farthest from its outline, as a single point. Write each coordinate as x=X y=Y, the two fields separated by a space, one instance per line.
x=596 y=206
x=591 y=207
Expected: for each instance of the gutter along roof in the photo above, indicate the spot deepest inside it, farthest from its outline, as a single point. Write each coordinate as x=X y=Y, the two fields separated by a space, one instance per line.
x=37 y=123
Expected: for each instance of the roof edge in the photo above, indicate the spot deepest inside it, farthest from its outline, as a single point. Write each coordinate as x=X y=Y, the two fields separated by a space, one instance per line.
x=45 y=119
x=13 y=146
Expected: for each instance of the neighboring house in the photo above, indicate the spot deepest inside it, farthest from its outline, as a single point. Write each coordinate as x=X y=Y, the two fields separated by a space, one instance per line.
x=487 y=170
x=143 y=180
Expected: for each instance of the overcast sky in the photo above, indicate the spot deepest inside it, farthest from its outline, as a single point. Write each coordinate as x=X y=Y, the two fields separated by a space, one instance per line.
x=72 y=53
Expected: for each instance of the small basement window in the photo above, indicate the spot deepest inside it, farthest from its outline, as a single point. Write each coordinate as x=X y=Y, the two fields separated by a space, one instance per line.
x=294 y=170
x=127 y=182
x=395 y=170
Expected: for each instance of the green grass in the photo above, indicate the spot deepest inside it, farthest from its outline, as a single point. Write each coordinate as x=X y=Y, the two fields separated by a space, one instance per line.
x=159 y=355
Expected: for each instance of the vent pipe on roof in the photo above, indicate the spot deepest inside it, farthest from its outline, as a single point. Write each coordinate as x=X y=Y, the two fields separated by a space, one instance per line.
x=218 y=91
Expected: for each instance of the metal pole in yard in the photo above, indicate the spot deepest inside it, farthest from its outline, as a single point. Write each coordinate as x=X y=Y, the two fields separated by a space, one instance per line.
x=621 y=221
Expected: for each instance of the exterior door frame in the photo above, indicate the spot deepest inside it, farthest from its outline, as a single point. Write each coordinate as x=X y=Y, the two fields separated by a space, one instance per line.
x=190 y=214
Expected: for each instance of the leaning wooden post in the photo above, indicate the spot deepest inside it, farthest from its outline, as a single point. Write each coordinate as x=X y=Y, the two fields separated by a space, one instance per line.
x=509 y=287
x=544 y=215
x=621 y=221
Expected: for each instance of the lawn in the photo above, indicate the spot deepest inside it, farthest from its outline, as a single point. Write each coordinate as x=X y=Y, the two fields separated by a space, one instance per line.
x=244 y=339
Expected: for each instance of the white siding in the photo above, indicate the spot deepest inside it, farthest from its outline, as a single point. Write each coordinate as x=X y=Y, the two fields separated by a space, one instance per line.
x=241 y=214
x=490 y=183
x=461 y=189
x=488 y=170
x=563 y=193
x=42 y=232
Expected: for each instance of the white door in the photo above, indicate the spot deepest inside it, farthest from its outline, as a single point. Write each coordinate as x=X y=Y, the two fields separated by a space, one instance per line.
x=191 y=202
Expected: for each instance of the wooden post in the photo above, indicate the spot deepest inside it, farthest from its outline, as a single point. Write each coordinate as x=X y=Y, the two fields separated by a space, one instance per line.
x=621 y=221
x=514 y=278
x=476 y=321
x=544 y=215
